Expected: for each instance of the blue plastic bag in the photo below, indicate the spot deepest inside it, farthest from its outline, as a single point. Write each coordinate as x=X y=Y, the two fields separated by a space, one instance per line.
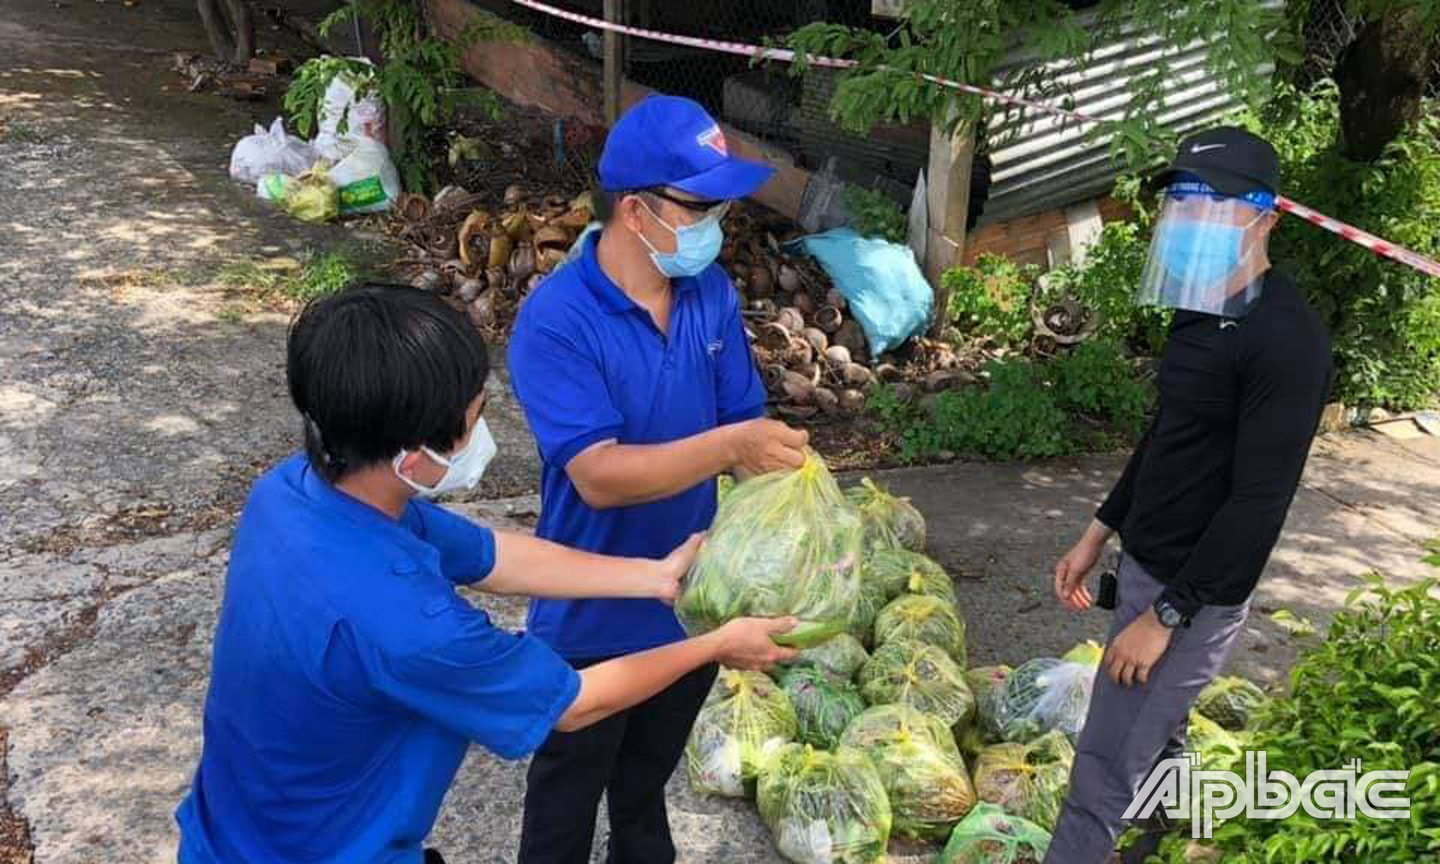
x=880 y=280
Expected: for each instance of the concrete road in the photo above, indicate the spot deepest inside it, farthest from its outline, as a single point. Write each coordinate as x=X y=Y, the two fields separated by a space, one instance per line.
x=138 y=399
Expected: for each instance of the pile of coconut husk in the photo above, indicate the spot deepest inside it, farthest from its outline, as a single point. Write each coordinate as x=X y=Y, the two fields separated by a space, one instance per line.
x=486 y=261
x=812 y=354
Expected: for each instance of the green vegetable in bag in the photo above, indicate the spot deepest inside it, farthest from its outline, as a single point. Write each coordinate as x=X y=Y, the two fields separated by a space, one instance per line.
x=745 y=716
x=923 y=618
x=920 y=767
x=1028 y=780
x=988 y=683
x=890 y=522
x=784 y=543
x=824 y=808
x=919 y=675
x=868 y=605
x=991 y=836
x=840 y=658
x=1048 y=693
x=903 y=572
x=1231 y=702
x=823 y=706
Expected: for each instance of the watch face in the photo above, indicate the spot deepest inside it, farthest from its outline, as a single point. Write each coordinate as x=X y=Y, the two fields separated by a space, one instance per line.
x=1169 y=615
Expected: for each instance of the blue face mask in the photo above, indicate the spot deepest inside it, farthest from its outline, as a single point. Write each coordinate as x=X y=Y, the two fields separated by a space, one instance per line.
x=696 y=247
x=1201 y=253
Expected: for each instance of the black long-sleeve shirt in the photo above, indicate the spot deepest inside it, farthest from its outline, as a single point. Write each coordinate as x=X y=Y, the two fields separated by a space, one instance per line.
x=1204 y=496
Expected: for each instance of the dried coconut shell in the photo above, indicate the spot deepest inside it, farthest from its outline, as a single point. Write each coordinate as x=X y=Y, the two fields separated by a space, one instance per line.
x=838 y=356
x=791 y=319
x=817 y=339
x=470 y=229
x=829 y=319
x=826 y=400
x=500 y=248
x=852 y=401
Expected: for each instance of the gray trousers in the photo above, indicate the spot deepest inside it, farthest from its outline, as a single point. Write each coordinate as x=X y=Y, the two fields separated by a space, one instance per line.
x=1130 y=729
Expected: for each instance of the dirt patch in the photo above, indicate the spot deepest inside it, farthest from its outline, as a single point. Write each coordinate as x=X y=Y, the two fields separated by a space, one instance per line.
x=15 y=845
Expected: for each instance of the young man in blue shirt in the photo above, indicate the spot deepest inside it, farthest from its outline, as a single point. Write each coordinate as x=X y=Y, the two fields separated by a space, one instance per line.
x=633 y=368
x=349 y=677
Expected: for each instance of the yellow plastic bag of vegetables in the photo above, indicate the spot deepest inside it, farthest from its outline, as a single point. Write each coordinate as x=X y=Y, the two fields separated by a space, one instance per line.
x=919 y=765
x=906 y=672
x=745 y=717
x=890 y=522
x=823 y=807
x=1028 y=780
x=784 y=543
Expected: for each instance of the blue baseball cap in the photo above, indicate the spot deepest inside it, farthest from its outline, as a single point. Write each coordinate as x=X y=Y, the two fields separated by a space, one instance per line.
x=671 y=141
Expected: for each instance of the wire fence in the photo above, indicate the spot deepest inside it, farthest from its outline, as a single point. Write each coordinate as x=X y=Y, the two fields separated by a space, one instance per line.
x=765 y=101
x=1328 y=30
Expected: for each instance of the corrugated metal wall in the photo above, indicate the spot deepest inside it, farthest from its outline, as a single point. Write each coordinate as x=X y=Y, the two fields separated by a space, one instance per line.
x=1046 y=164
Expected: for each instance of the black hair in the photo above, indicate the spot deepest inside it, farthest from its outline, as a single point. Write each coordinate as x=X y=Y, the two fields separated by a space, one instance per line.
x=379 y=368
x=605 y=203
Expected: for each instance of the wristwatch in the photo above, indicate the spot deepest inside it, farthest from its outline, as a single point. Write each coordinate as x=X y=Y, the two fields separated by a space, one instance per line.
x=1168 y=614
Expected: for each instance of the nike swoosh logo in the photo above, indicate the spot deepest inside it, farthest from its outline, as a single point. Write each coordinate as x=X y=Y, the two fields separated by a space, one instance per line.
x=1201 y=148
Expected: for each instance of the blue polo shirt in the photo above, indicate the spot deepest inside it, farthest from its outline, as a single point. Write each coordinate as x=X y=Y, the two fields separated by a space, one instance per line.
x=349 y=678
x=588 y=364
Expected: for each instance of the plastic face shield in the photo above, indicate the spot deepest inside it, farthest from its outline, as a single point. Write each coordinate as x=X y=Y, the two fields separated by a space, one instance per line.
x=1199 y=255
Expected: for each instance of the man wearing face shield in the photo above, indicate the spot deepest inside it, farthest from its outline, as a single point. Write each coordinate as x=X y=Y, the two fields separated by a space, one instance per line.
x=634 y=371
x=1201 y=503
x=349 y=677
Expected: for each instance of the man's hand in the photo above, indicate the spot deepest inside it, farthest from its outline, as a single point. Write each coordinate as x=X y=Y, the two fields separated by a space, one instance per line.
x=763 y=445
x=1136 y=650
x=671 y=570
x=1072 y=570
x=745 y=643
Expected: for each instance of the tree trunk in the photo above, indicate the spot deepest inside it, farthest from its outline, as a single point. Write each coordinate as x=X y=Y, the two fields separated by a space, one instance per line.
x=243 y=23
x=1382 y=77
x=216 y=30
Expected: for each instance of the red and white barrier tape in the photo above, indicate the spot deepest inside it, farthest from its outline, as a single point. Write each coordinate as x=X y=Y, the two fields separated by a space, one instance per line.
x=1379 y=246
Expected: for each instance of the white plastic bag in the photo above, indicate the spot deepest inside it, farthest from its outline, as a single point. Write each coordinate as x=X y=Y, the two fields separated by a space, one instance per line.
x=346 y=117
x=270 y=152
x=366 y=177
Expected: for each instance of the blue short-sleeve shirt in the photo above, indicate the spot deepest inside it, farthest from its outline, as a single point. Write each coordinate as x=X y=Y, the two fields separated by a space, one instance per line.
x=349 y=678
x=588 y=365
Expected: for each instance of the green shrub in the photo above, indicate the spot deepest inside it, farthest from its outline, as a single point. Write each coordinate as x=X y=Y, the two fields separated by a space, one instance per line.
x=1383 y=315
x=1015 y=417
x=874 y=214
x=1106 y=282
x=1367 y=691
x=1096 y=380
x=992 y=300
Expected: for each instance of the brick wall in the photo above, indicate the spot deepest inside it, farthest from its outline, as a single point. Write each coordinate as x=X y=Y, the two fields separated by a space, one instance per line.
x=1026 y=239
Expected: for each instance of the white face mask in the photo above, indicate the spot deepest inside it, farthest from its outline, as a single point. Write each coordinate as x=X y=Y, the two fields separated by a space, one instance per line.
x=463 y=469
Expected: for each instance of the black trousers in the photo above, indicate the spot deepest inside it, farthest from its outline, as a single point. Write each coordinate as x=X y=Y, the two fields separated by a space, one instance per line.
x=628 y=756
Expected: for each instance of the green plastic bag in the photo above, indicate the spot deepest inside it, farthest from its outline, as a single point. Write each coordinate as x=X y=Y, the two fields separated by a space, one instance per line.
x=824 y=808
x=784 y=543
x=1231 y=702
x=920 y=767
x=901 y=571
x=923 y=618
x=922 y=676
x=823 y=706
x=989 y=835
x=1028 y=780
x=841 y=657
x=890 y=522
x=745 y=717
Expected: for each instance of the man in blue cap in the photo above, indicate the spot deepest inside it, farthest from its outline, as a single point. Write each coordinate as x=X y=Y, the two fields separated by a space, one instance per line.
x=634 y=371
x=1203 y=498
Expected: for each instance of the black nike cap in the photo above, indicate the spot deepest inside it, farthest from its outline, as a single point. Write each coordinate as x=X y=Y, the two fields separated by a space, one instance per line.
x=1228 y=158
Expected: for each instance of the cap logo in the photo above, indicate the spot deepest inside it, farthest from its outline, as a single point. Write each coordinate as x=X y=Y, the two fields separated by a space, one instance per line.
x=714 y=139
x=1201 y=148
